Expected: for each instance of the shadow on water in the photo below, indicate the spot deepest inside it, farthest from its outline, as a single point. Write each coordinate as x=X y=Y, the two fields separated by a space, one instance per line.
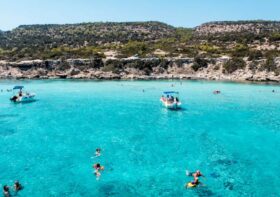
x=2 y=116
x=117 y=189
x=179 y=109
x=25 y=102
x=204 y=191
x=7 y=132
x=182 y=109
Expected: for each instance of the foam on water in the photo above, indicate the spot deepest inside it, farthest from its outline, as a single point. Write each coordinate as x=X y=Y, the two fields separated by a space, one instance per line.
x=233 y=138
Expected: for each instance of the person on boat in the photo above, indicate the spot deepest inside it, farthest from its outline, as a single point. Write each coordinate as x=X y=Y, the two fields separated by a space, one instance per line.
x=20 y=93
x=17 y=186
x=98 y=152
x=177 y=99
x=162 y=98
x=171 y=99
x=14 y=98
x=6 y=191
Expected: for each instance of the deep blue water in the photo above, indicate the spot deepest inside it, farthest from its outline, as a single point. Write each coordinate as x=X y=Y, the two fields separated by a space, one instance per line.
x=233 y=138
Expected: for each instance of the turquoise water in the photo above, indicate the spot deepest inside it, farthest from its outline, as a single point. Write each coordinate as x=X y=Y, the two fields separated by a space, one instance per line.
x=233 y=138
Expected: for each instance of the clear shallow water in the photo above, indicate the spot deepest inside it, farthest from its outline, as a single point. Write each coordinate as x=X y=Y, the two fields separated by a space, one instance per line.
x=233 y=138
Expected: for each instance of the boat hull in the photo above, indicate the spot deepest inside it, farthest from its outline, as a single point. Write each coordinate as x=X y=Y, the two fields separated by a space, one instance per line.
x=168 y=105
x=24 y=99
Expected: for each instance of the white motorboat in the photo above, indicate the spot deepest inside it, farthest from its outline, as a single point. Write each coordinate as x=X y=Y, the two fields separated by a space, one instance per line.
x=21 y=96
x=170 y=100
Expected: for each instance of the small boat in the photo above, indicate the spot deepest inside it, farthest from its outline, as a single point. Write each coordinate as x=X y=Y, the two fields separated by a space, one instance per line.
x=171 y=100
x=22 y=97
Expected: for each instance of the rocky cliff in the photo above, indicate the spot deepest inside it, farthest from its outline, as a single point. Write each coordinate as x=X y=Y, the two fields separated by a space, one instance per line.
x=139 y=68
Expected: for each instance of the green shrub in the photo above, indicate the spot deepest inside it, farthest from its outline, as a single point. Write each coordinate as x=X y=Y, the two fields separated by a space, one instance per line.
x=234 y=64
x=270 y=66
x=274 y=37
x=255 y=55
x=184 y=34
x=199 y=63
x=240 y=50
x=135 y=47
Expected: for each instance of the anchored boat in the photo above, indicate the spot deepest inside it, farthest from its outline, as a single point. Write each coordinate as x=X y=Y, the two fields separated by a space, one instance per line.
x=171 y=100
x=21 y=96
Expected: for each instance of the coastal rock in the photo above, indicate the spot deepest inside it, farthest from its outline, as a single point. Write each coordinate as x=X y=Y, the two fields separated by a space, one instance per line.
x=137 y=68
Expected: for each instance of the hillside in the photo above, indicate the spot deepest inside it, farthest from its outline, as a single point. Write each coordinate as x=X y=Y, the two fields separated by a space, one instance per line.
x=223 y=27
x=77 y=35
x=50 y=41
x=247 y=45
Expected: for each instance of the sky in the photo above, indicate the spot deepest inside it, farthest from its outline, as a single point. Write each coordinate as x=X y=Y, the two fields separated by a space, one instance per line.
x=179 y=13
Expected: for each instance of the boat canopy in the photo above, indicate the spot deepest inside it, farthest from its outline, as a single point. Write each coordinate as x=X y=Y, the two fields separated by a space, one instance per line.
x=18 y=87
x=171 y=92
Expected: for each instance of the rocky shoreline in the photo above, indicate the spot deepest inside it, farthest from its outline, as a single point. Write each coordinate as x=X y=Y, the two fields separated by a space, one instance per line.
x=134 y=68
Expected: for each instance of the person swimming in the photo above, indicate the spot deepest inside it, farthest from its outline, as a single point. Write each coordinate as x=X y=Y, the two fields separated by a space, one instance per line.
x=6 y=191
x=98 y=152
x=17 y=186
x=97 y=174
x=197 y=174
x=98 y=167
x=193 y=183
x=216 y=92
x=194 y=174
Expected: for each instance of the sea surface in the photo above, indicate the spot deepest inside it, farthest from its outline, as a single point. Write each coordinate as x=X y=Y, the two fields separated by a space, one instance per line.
x=49 y=145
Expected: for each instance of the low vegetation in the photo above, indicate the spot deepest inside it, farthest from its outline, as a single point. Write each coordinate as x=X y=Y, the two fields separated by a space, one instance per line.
x=234 y=64
x=142 y=39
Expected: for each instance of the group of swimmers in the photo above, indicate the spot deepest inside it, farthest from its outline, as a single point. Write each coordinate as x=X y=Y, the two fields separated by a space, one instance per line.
x=97 y=167
x=6 y=189
x=195 y=176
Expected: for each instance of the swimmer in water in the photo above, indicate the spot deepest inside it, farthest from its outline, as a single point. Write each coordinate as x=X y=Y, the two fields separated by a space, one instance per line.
x=98 y=152
x=216 y=92
x=97 y=174
x=197 y=174
x=98 y=167
x=17 y=186
x=6 y=191
x=194 y=174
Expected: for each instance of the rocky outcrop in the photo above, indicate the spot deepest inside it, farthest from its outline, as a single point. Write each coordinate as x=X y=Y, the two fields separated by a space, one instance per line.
x=136 y=68
x=254 y=27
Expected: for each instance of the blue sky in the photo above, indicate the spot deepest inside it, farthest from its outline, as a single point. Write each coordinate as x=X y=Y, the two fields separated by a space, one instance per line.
x=186 y=13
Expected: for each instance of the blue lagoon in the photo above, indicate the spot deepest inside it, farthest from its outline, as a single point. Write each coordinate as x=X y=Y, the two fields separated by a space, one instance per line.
x=233 y=138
